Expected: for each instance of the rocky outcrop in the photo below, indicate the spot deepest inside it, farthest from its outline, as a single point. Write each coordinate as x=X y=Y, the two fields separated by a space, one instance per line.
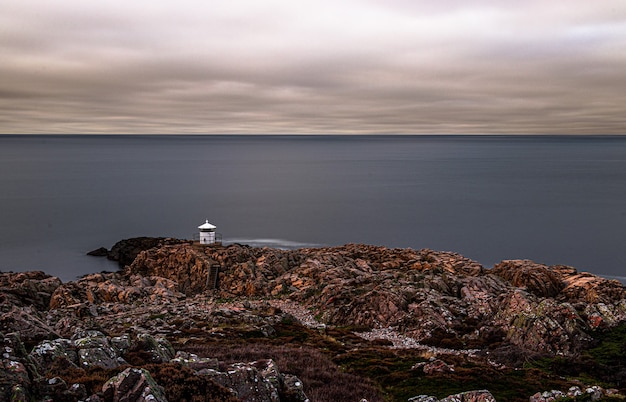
x=439 y=302
x=439 y=298
x=125 y=251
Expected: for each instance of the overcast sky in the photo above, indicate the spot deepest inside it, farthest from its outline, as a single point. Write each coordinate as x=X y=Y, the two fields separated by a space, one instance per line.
x=322 y=66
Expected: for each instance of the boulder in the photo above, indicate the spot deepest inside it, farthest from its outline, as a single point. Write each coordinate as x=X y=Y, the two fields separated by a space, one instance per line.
x=134 y=385
x=537 y=279
x=256 y=381
x=437 y=366
x=27 y=289
x=160 y=350
x=94 y=349
x=47 y=352
x=27 y=322
x=471 y=396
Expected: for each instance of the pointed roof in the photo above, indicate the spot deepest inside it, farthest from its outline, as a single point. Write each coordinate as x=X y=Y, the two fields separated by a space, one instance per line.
x=207 y=225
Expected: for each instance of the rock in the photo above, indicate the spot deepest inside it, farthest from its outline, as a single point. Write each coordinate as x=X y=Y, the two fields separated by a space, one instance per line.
x=437 y=366
x=94 y=349
x=423 y=398
x=161 y=351
x=593 y=393
x=247 y=382
x=293 y=389
x=47 y=352
x=439 y=298
x=196 y=363
x=125 y=251
x=537 y=279
x=16 y=371
x=471 y=396
x=27 y=289
x=134 y=385
x=27 y=322
x=99 y=252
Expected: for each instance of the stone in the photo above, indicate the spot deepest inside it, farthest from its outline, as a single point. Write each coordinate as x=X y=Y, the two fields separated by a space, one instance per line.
x=293 y=389
x=94 y=349
x=471 y=396
x=27 y=322
x=160 y=349
x=99 y=252
x=133 y=385
x=423 y=398
x=437 y=366
x=246 y=381
x=46 y=353
x=16 y=369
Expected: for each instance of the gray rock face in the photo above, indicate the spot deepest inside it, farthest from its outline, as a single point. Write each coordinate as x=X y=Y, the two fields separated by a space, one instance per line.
x=258 y=381
x=133 y=385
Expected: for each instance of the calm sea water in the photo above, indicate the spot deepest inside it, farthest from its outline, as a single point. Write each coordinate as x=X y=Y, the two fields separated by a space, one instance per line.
x=555 y=200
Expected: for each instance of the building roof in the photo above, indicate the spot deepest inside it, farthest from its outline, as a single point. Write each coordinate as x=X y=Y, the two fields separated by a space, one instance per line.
x=207 y=225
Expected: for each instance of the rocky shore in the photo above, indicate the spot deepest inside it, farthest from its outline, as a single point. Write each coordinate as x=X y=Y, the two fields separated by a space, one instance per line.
x=181 y=321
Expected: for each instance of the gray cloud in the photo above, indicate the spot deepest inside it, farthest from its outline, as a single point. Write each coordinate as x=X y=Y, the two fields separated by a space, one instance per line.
x=313 y=67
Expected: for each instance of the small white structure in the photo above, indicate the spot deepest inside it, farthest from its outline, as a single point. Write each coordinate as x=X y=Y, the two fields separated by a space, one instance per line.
x=207 y=233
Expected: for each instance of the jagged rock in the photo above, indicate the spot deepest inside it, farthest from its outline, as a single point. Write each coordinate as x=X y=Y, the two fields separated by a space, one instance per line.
x=293 y=389
x=423 y=398
x=27 y=322
x=94 y=349
x=101 y=288
x=99 y=252
x=134 y=385
x=46 y=353
x=437 y=366
x=247 y=382
x=125 y=251
x=161 y=351
x=27 y=289
x=593 y=393
x=437 y=298
x=196 y=363
x=440 y=298
x=16 y=369
x=471 y=396
x=534 y=278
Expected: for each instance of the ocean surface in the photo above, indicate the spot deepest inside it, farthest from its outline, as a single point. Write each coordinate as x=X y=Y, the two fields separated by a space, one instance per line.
x=554 y=200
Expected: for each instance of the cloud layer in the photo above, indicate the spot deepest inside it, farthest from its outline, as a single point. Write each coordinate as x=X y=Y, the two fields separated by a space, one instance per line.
x=368 y=66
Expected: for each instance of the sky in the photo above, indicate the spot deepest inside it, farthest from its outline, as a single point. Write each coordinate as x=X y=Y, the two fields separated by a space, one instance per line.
x=313 y=67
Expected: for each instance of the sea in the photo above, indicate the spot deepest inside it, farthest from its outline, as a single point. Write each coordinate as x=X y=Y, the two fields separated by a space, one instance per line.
x=550 y=199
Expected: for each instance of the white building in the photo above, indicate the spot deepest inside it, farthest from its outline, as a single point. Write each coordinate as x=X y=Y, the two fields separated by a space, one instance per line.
x=207 y=233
